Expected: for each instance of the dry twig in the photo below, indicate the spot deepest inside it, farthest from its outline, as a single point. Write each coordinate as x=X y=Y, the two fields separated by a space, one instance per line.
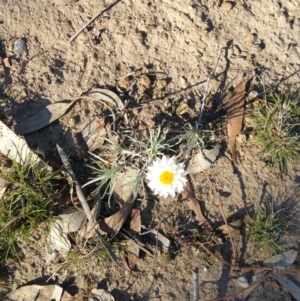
x=242 y=290
x=236 y=268
x=108 y=7
x=224 y=217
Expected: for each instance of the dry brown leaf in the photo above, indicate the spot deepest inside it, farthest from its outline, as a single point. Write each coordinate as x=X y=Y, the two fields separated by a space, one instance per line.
x=123 y=194
x=114 y=223
x=133 y=250
x=235 y=112
x=193 y=204
x=235 y=228
x=42 y=118
x=39 y=293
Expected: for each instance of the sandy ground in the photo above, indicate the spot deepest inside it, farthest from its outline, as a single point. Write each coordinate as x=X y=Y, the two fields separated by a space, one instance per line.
x=173 y=40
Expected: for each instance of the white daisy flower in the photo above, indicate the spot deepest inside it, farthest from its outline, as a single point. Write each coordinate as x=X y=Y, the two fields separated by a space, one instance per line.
x=166 y=177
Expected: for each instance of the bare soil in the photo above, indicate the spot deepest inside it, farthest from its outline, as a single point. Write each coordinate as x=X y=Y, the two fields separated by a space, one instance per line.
x=173 y=43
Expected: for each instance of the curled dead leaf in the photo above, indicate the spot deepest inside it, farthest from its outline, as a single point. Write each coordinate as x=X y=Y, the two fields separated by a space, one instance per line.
x=133 y=250
x=193 y=204
x=235 y=228
x=235 y=112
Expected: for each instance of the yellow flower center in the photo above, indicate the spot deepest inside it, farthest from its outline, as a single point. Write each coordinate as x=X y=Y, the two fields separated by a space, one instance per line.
x=166 y=177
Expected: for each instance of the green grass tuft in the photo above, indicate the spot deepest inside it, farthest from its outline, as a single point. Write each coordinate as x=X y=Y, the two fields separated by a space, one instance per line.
x=27 y=202
x=266 y=230
x=277 y=128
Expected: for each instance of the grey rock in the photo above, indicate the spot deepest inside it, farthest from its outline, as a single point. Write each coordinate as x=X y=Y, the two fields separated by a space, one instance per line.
x=20 y=47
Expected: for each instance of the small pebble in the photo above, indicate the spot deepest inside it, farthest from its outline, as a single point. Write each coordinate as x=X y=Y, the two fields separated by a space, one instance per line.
x=257 y=47
x=205 y=269
x=20 y=47
x=253 y=93
x=184 y=81
x=243 y=282
x=226 y=5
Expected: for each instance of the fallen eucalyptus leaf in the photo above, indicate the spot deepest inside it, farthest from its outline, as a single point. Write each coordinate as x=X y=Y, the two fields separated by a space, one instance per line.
x=290 y=286
x=235 y=112
x=279 y=262
x=107 y=96
x=282 y=261
x=124 y=190
x=39 y=293
x=203 y=159
x=42 y=118
x=114 y=223
x=193 y=204
x=16 y=148
x=133 y=250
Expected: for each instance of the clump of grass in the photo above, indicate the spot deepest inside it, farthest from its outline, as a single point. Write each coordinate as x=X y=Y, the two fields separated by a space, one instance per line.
x=191 y=137
x=28 y=201
x=265 y=231
x=277 y=122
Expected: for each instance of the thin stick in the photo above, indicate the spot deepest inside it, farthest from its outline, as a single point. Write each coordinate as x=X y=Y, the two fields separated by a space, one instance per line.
x=196 y=285
x=207 y=85
x=108 y=7
x=255 y=283
x=222 y=261
x=223 y=215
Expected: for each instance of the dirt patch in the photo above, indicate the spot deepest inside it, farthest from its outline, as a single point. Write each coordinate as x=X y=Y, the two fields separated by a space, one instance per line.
x=175 y=44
